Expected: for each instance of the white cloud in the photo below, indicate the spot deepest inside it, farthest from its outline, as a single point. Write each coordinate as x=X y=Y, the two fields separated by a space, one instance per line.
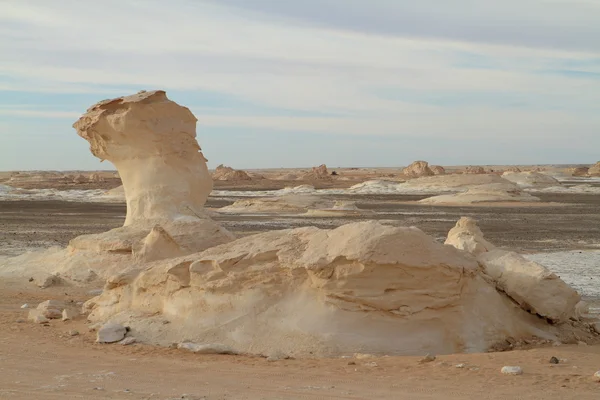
x=270 y=61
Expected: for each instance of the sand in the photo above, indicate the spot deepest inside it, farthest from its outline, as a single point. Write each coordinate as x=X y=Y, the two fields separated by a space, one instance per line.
x=44 y=362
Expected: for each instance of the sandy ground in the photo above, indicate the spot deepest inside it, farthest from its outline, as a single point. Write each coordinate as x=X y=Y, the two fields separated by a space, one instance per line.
x=45 y=362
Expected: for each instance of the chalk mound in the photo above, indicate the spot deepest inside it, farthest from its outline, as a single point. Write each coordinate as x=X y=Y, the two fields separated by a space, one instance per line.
x=489 y=193
x=417 y=169
x=454 y=182
x=530 y=179
x=362 y=287
x=594 y=170
x=529 y=284
x=224 y=173
x=116 y=193
x=286 y=203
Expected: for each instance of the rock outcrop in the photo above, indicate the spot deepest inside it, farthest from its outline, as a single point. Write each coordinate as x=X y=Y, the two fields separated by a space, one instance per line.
x=317 y=173
x=594 y=170
x=224 y=173
x=417 y=169
x=474 y=169
x=152 y=142
x=437 y=169
x=529 y=284
x=579 y=171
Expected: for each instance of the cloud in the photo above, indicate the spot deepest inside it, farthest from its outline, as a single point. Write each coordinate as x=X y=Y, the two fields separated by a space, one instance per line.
x=382 y=69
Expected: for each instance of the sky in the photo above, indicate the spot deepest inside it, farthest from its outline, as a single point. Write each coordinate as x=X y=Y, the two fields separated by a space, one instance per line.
x=279 y=83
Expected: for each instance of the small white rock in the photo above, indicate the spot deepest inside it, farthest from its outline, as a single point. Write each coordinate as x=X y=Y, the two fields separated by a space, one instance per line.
x=110 y=332
x=127 y=341
x=371 y=364
x=427 y=358
x=25 y=305
x=73 y=332
x=597 y=376
x=580 y=343
x=69 y=314
x=460 y=365
x=212 y=348
x=508 y=370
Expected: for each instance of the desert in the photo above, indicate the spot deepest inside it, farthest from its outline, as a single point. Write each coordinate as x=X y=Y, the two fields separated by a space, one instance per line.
x=280 y=200
x=462 y=273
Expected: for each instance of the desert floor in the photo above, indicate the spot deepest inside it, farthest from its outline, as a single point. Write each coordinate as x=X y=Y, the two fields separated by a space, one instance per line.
x=46 y=362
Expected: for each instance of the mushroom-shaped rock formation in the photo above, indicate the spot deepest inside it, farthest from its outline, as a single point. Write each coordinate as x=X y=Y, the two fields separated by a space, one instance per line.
x=152 y=142
x=417 y=169
x=529 y=284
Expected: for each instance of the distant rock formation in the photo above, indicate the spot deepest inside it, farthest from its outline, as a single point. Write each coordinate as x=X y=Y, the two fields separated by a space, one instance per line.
x=317 y=173
x=513 y=169
x=486 y=193
x=225 y=173
x=80 y=179
x=579 y=171
x=437 y=169
x=474 y=169
x=417 y=169
x=594 y=169
x=95 y=178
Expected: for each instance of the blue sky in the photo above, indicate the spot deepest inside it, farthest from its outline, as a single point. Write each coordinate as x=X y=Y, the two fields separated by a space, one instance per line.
x=278 y=83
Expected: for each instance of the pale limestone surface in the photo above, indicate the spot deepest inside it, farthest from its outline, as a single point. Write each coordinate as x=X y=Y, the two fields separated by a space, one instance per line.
x=488 y=193
x=529 y=284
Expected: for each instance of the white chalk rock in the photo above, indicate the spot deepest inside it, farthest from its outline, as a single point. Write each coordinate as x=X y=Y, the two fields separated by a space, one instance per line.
x=508 y=370
x=68 y=314
x=531 y=285
x=596 y=376
x=467 y=236
x=158 y=245
x=111 y=332
x=212 y=348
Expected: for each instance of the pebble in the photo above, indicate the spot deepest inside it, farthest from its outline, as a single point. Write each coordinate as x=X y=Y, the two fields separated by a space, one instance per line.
x=508 y=370
x=110 y=332
x=554 y=360
x=460 y=365
x=25 y=305
x=597 y=376
x=73 y=332
x=427 y=358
